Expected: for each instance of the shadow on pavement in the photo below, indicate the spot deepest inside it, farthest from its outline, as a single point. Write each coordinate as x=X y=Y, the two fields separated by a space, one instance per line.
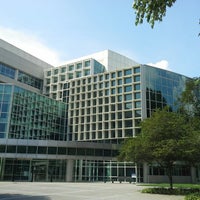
x=24 y=197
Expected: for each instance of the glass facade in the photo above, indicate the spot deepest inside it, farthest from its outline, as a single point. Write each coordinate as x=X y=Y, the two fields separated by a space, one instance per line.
x=5 y=108
x=44 y=118
x=7 y=71
x=162 y=88
x=30 y=80
x=32 y=116
x=91 y=170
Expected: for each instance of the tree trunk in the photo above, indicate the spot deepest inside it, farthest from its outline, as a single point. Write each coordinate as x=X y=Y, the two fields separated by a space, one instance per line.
x=170 y=178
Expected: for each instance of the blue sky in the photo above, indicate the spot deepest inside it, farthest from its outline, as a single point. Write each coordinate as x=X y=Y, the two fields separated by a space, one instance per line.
x=61 y=30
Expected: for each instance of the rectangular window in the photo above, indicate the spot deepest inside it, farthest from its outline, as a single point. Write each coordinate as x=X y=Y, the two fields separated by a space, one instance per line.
x=127 y=72
x=119 y=74
x=137 y=95
x=128 y=97
x=137 y=87
x=128 y=106
x=71 y=67
x=136 y=78
x=128 y=88
x=48 y=73
x=87 y=63
x=63 y=69
x=138 y=104
x=137 y=70
x=127 y=80
x=78 y=65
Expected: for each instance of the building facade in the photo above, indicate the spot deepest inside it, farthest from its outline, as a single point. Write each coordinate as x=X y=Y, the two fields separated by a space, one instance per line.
x=66 y=123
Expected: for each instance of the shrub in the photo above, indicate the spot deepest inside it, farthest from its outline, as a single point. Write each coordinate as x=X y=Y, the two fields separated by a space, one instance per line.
x=175 y=191
x=194 y=196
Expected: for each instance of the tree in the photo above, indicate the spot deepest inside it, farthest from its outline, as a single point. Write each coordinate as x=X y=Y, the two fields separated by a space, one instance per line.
x=162 y=141
x=189 y=102
x=151 y=10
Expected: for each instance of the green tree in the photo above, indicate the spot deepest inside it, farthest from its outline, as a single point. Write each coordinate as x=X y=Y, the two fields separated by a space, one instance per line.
x=190 y=98
x=162 y=141
x=151 y=10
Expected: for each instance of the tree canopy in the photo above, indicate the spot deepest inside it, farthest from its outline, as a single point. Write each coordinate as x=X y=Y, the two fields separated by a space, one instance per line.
x=164 y=140
x=151 y=10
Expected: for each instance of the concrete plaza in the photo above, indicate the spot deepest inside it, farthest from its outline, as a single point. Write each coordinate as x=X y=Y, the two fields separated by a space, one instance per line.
x=76 y=191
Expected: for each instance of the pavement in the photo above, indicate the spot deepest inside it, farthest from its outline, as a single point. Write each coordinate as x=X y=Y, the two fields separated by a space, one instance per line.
x=76 y=191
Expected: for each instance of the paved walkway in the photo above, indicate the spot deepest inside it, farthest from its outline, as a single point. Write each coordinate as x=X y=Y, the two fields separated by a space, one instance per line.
x=76 y=191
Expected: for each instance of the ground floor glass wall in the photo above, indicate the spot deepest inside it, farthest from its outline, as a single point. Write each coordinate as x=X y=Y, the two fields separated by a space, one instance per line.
x=32 y=170
x=90 y=170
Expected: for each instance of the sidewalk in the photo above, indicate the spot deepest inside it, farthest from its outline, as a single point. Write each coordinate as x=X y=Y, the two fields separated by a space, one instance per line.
x=76 y=191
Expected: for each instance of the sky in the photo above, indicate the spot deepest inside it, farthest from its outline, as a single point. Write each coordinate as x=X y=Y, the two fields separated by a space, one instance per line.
x=60 y=30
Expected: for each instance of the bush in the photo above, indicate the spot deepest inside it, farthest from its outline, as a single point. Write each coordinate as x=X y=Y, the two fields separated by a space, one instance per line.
x=194 y=196
x=175 y=191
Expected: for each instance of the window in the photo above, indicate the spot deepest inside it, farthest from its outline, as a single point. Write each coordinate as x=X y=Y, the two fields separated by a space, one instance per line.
x=106 y=84
x=63 y=69
x=137 y=87
x=113 y=91
x=55 y=79
x=113 y=75
x=128 y=106
x=119 y=90
x=136 y=78
x=138 y=113
x=112 y=83
x=119 y=82
x=127 y=72
x=107 y=76
x=136 y=70
x=128 y=123
x=78 y=65
x=138 y=104
x=128 y=97
x=119 y=74
x=87 y=63
x=78 y=74
x=137 y=95
x=119 y=98
x=128 y=88
x=70 y=76
x=48 y=73
x=101 y=85
x=127 y=80
x=86 y=72
x=101 y=78
x=48 y=81
x=55 y=71
x=128 y=114
x=62 y=77
x=106 y=92
x=71 y=67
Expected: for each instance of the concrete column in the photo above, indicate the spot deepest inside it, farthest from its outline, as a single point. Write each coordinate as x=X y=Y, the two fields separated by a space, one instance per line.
x=145 y=173
x=69 y=170
x=80 y=177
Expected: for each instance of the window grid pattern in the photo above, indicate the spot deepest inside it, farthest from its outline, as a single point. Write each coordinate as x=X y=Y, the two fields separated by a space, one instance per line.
x=60 y=75
x=104 y=109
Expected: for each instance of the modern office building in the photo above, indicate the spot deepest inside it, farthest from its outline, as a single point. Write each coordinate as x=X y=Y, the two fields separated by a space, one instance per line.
x=66 y=123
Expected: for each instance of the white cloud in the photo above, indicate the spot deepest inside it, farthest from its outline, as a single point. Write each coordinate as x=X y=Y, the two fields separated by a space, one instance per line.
x=163 y=64
x=31 y=44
